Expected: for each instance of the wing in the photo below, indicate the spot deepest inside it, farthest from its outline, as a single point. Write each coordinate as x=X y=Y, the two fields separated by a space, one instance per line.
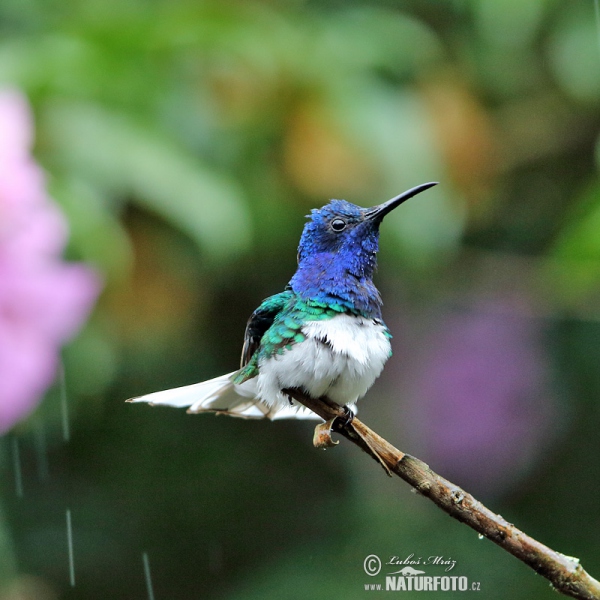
x=260 y=320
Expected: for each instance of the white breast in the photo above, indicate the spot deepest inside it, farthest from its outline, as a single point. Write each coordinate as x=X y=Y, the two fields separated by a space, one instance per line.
x=340 y=358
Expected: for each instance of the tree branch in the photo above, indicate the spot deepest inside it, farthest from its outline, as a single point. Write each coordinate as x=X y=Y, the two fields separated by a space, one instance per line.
x=564 y=572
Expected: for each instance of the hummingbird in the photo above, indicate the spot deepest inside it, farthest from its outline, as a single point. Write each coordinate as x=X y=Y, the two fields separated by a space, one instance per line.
x=324 y=334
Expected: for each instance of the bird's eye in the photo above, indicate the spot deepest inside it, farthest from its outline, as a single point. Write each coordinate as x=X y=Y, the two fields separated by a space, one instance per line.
x=338 y=224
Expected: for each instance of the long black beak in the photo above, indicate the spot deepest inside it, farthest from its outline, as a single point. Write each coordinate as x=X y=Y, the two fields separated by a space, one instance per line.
x=378 y=212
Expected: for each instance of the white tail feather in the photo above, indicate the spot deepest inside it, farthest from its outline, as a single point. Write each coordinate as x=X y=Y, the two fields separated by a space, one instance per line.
x=220 y=395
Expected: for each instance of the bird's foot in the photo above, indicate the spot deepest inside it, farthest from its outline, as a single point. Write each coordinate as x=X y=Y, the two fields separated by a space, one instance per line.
x=345 y=419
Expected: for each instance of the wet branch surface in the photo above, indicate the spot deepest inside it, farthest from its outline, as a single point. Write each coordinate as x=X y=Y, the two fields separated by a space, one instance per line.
x=564 y=572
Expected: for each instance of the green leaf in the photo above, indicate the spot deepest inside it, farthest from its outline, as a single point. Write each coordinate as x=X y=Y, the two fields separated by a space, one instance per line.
x=121 y=157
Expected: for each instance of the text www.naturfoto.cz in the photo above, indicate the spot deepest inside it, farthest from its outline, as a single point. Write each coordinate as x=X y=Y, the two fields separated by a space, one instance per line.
x=424 y=584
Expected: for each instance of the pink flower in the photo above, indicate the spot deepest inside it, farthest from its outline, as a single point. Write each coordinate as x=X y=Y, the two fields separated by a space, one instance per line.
x=43 y=300
x=483 y=405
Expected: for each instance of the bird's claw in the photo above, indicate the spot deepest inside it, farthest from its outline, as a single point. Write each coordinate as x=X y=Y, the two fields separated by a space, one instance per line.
x=322 y=437
x=345 y=419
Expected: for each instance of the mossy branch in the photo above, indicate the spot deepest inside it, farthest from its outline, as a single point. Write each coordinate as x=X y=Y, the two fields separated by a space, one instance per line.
x=565 y=573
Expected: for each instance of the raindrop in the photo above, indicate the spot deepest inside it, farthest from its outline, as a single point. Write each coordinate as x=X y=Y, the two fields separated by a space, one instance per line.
x=481 y=536
x=70 y=542
x=148 y=576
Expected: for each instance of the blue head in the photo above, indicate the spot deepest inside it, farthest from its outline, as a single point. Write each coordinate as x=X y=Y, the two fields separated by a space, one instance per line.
x=337 y=255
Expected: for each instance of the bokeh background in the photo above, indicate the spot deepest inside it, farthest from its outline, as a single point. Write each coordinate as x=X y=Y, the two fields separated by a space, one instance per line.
x=182 y=142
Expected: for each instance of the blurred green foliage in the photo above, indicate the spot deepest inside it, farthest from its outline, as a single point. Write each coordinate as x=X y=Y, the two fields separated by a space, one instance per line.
x=185 y=141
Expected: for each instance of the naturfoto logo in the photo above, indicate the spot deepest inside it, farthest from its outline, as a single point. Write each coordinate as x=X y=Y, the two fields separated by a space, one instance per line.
x=410 y=578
